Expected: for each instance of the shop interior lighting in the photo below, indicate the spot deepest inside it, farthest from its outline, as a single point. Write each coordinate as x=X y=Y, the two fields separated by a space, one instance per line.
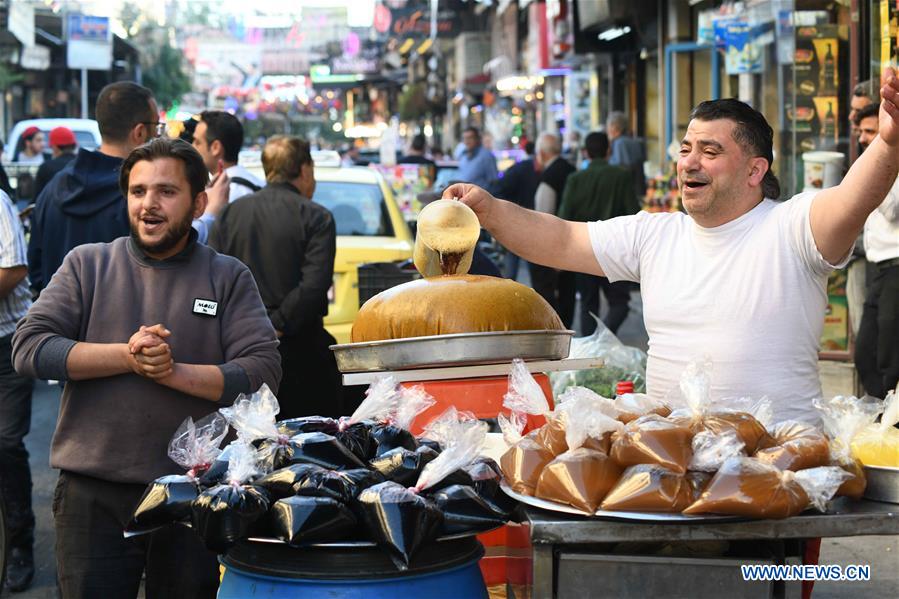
x=425 y=46
x=614 y=33
x=407 y=45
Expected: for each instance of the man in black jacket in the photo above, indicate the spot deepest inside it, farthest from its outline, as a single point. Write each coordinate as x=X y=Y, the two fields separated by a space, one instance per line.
x=83 y=202
x=518 y=184
x=289 y=243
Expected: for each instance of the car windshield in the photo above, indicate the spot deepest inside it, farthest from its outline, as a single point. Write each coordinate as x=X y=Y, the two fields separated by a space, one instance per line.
x=359 y=208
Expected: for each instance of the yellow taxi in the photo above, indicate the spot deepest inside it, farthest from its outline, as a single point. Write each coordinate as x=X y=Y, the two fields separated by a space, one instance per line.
x=370 y=228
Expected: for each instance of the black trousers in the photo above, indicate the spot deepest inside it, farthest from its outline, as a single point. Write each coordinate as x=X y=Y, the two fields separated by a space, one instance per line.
x=310 y=383
x=15 y=473
x=557 y=287
x=618 y=294
x=877 y=345
x=94 y=560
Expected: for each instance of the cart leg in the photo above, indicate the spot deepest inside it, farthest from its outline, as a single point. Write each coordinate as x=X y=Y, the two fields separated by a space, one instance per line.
x=544 y=571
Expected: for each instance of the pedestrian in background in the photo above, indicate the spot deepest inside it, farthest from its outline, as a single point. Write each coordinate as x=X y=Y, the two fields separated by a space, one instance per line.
x=15 y=402
x=289 y=243
x=63 y=146
x=31 y=150
x=518 y=184
x=555 y=286
x=120 y=322
x=83 y=202
x=476 y=163
x=877 y=347
x=218 y=138
x=597 y=193
x=627 y=152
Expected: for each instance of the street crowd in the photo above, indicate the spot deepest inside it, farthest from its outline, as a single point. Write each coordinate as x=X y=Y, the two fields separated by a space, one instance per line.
x=161 y=279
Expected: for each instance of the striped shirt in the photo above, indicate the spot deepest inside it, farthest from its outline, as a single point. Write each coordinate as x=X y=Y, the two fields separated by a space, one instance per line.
x=13 y=252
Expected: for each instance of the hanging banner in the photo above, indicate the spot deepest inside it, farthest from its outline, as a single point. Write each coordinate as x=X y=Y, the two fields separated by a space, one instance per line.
x=579 y=102
x=742 y=52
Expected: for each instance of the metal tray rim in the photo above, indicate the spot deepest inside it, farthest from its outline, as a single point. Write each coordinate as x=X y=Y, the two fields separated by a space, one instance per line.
x=425 y=338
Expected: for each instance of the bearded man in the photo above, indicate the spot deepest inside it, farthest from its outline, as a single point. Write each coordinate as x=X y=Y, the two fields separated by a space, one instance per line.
x=145 y=330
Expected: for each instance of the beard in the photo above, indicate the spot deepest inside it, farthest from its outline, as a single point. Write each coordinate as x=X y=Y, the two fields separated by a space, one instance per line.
x=176 y=232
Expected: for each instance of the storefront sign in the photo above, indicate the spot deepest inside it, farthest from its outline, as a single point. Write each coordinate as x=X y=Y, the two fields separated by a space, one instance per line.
x=89 y=42
x=21 y=21
x=416 y=22
x=517 y=83
x=35 y=58
x=355 y=64
x=742 y=53
x=321 y=73
x=284 y=61
x=580 y=101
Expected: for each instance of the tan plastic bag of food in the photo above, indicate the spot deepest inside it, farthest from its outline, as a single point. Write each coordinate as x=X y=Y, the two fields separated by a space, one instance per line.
x=748 y=487
x=843 y=418
x=523 y=463
x=579 y=478
x=652 y=439
x=649 y=488
x=799 y=446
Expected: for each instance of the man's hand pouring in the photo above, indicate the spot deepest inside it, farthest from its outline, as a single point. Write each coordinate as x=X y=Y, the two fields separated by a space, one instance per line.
x=474 y=197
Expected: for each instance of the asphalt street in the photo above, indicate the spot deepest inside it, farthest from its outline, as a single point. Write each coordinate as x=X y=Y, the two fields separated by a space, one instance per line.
x=882 y=553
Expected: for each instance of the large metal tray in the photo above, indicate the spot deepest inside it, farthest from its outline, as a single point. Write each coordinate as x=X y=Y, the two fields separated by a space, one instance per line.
x=462 y=349
x=883 y=484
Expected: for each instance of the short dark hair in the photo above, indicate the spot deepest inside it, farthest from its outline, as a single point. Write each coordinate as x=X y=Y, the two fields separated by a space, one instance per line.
x=121 y=106
x=529 y=148
x=474 y=130
x=752 y=133
x=283 y=157
x=164 y=147
x=866 y=112
x=226 y=128
x=596 y=144
x=419 y=143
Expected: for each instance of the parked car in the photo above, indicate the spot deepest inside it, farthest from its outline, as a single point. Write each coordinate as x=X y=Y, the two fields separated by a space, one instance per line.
x=87 y=135
x=370 y=229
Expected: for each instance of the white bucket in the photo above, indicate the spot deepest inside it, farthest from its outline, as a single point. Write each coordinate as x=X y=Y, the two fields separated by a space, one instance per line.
x=822 y=169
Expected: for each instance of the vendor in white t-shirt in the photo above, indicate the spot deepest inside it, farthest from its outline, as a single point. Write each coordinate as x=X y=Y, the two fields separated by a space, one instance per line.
x=742 y=278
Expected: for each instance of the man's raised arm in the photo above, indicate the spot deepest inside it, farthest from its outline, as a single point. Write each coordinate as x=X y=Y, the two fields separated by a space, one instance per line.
x=536 y=237
x=839 y=213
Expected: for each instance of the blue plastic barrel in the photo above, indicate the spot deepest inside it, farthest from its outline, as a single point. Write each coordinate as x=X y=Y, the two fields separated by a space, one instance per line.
x=440 y=570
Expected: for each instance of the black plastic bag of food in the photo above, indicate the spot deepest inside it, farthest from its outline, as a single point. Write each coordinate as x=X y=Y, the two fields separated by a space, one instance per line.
x=166 y=500
x=430 y=443
x=324 y=450
x=226 y=513
x=297 y=520
x=306 y=424
x=465 y=511
x=284 y=481
x=389 y=437
x=275 y=453
x=358 y=439
x=363 y=478
x=486 y=477
x=402 y=465
x=398 y=520
x=327 y=483
x=194 y=447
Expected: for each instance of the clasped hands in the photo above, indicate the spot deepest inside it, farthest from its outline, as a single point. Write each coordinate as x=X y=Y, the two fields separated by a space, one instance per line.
x=149 y=354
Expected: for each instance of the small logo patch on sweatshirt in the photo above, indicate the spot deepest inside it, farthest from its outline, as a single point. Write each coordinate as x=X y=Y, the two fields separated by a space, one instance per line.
x=205 y=307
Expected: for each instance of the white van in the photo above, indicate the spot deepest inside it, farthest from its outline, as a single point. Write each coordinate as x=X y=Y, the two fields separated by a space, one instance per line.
x=87 y=134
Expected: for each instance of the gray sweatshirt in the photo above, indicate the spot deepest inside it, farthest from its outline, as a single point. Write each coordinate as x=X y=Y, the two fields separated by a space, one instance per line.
x=118 y=428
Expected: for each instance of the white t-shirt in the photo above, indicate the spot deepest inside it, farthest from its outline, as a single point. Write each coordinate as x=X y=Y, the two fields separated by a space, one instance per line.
x=882 y=229
x=750 y=294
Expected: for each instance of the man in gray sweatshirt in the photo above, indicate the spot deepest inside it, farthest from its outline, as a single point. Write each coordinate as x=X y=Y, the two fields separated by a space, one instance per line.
x=146 y=330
